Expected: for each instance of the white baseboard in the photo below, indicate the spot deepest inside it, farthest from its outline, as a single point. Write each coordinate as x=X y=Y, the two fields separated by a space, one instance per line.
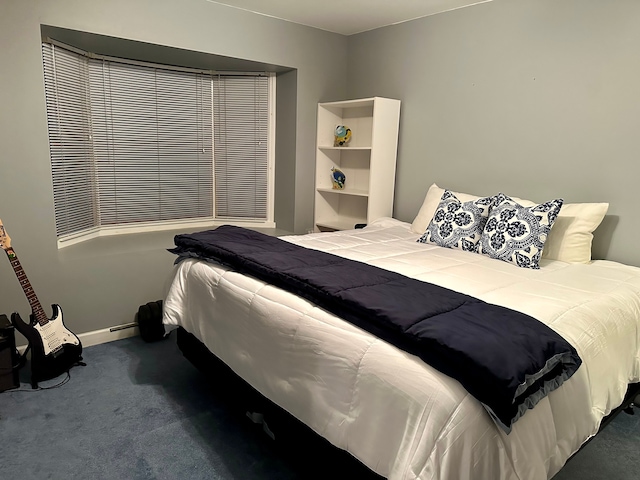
x=98 y=337
x=106 y=335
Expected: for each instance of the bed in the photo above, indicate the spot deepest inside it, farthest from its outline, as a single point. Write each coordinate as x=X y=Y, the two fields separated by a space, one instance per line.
x=398 y=415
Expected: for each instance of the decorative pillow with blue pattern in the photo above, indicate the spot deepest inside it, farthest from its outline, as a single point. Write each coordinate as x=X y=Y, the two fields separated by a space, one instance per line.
x=456 y=224
x=517 y=234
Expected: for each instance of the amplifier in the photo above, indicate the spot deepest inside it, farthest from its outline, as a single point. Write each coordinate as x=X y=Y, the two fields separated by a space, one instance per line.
x=9 y=361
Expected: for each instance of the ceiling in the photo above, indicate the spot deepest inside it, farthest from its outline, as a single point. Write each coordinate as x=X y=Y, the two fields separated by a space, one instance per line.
x=348 y=17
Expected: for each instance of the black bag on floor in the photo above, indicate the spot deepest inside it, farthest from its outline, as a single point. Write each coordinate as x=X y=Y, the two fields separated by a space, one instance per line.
x=149 y=318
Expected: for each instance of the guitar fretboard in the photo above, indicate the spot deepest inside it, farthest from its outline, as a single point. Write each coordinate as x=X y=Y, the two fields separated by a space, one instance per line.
x=36 y=307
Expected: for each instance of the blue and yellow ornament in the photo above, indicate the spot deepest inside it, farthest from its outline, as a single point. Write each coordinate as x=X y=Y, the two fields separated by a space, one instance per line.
x=338 y=178
x=342 y=136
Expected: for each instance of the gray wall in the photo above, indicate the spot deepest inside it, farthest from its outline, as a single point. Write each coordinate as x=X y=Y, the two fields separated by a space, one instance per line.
x=102 y=282
x=535 y=98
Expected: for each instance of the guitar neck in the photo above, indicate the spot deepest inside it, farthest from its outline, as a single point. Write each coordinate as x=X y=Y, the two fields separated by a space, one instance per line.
x=36 y=307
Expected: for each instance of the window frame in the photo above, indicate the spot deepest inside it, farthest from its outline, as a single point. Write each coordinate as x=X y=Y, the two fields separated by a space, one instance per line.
x=163 y=225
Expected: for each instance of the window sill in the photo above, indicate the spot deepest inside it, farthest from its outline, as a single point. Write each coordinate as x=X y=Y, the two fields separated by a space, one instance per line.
x=146 y=242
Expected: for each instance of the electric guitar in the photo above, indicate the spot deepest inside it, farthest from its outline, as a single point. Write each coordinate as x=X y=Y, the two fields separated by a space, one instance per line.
x=54 y=348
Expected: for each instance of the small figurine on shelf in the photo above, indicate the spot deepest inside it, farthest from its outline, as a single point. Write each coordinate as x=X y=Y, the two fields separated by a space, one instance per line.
x=338 y=178
x=342 y=136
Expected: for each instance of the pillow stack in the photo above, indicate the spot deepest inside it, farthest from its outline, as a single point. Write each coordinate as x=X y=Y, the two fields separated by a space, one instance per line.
x=509 y=229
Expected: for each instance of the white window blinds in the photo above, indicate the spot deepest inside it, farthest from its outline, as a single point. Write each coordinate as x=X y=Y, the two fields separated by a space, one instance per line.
x=134 y=143
x=66 y=79
x=241 y=124
x=152 y=143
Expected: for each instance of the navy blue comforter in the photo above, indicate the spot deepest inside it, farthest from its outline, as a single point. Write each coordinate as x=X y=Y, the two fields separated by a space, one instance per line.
x=504 y=358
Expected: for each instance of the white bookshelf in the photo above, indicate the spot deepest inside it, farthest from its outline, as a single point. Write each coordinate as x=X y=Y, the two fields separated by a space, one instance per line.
x=368 y=162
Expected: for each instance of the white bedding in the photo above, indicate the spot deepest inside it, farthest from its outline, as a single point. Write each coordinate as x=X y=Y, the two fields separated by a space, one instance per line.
x=393 y=412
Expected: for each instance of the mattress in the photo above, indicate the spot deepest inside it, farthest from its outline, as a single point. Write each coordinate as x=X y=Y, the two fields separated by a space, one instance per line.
x=396 y=414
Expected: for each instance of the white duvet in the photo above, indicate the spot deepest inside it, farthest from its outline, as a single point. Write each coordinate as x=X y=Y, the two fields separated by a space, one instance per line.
x=393 y=412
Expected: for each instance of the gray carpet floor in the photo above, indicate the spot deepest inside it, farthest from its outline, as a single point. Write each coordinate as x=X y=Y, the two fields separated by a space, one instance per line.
x=141 y=411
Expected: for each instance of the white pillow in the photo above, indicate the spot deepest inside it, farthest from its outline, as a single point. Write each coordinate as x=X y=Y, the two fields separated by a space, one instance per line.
x=569 y=240
x=571 y=236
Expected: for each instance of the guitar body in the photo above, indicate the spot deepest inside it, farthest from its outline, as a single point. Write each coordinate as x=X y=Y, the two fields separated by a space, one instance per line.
x=54 y=348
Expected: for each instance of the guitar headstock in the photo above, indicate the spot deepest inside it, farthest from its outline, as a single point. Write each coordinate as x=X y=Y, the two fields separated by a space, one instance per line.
x=5 y=240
